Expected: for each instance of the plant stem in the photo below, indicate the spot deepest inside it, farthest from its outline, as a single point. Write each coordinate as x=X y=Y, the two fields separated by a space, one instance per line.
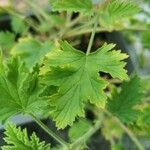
x=79 y=31
x=88 y=134
x=129 y=133
x=13 y=13
x=75 y=21
x=83 y=31
x=68 y=18
x=38 y=11
x=93 y=34
x=50 y=132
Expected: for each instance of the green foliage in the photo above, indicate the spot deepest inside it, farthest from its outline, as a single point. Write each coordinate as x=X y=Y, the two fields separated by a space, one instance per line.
x=113 y=133
x=31 y=50
x=17 y=139
x=19 y=89
x=77 y=75
x=7 y=40
x=146 y=40
x=116 y=13
x=111 y=130
x=18 y=25
x=117 y=146
x=78 y=129
x=122 y=103
x=143 y=123
x=41 y=75
x=84 y=6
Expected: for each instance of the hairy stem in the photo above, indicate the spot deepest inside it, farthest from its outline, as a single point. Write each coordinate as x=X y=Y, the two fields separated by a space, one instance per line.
x=38 y=11
x=88 y=134
x=128 y=132
x=75 y=21
x=79 y=31
x=50 y=132
x=93 y=34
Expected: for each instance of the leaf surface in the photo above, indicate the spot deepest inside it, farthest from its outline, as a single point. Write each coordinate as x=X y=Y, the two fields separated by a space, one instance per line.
x=117 y=12
x=18 y=25
x=77 y=76
x=31 y=50
x=146 y=40
x=84 y=6
x=79 y=129
x=18 y=139
x=7 y=39
x=19 y=89
x=122 y=103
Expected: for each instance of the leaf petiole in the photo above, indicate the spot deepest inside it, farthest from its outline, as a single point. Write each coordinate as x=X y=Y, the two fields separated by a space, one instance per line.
x=93 y=34
x=50 y=132
x=129 y=133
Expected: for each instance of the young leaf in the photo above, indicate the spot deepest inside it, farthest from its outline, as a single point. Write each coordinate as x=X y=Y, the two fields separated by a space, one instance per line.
x=79 y=129
x=143 y=121
x=7 y=40
x=19 y=90
x=31 y=50
x=121 y=104
x=82 y=6
x=19 y=140
x=116 y=12
x=146 y=40
x=79 y=81
x=18 y=25
x=111 y=130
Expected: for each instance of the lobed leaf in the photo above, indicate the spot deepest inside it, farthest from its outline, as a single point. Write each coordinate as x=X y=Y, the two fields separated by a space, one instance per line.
x=79 y=129
x=84 y=6
x=31 y=50
x=146 y=40
x=122 y=103
x=17 y=139
x=18 y=25
x=7 y=40
x=77 y=76
x=19 y=89
x=116 y=12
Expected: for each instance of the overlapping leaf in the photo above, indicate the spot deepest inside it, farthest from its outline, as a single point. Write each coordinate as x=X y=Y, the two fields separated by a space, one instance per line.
x=82 y=6
x=122 y=104
x=77 y=76
x=146 y=40
x=31 y=50
x=18 y=25
x=116 y=12
x=17 y=139
x=19 y=90
x=7 y=40
x=143 y=122
x=79 y=129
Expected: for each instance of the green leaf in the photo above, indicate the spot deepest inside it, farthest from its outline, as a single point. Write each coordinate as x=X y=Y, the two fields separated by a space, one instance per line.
x=146 y=40
x=19 y=90
x=79 y=129
x=7 y=40
x=17 y=139
x=143 y=123
x=117 y=146
x=77 y=76
x=82 y=6
x=111 y=130
x=122 y=103
x=56 y=21
x=116 y=13
x=18 y=25
x=31 y=50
